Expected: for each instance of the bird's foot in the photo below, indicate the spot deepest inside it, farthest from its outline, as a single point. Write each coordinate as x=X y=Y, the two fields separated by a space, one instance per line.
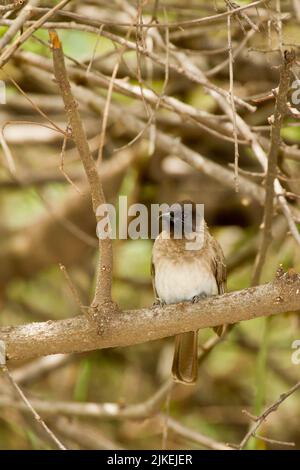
x=199 y=297
x=158 y=303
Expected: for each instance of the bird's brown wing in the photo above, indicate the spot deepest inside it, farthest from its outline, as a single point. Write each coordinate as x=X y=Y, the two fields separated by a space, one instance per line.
x=220 y=272
x=219 y=267
x=153 y=278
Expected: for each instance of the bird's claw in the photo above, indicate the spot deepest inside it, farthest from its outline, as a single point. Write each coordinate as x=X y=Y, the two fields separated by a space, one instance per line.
x=158 y=303
x=199 y=297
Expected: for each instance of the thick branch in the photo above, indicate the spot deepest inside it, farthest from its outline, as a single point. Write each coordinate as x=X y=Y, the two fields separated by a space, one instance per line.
x=138 y=326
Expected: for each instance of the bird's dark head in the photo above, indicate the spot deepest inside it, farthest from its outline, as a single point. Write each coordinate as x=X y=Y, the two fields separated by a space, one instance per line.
x=180 y=218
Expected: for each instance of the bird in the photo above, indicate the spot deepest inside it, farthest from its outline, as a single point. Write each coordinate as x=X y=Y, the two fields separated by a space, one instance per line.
x=181 y=274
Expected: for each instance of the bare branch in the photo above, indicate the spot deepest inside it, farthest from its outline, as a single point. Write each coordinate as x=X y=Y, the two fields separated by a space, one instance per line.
x=177 y=24
x=137 y=326
x=18 y=23
x=276 y=123
x=29 y=407
x=7 y=53
x=104 y=271
x=262 y=418
x=112 y=411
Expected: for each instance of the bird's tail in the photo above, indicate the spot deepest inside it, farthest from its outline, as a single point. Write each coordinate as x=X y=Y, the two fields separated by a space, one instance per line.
x=185 y=361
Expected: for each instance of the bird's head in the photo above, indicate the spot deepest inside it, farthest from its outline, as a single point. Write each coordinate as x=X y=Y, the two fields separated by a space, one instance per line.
x=180 y=218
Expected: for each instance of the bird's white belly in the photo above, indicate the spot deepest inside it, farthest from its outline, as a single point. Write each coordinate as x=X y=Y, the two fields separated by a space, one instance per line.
x=177 y=283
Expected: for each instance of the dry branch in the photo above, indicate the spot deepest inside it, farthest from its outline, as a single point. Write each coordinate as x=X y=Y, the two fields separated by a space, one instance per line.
x=67 y=232
x=18 y=23
x=28 y=406
x=112 y=411
x=164 y=142
x=270 y=409
x=277 y=120
x=9 y=51
x=138 y=326
x=177 y=24
x=245 y=130
x=104 y=270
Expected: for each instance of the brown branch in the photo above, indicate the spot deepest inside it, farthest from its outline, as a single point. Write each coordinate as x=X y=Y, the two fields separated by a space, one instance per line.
x=28 y=406
x=232 y=104
x=177 y=24
x=18 y=22
x=262 y=418
x=104 y=270
x=277 y=120
x=274 y=441
x=39 y=368
x=245 y=130
x=195 y=436
x=201 y=118
x=83 y=434
x=164 y=142
x=112 y=411
x=67 y=232
x=182 y=70
x=12 y=6
x=9 y=51
x=117 y=412
x=138 y=326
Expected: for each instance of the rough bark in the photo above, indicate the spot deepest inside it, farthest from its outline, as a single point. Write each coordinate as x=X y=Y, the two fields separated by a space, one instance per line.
x=137 y=326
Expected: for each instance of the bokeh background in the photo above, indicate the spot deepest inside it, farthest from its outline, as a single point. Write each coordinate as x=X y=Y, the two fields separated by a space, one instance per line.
x=46 y=219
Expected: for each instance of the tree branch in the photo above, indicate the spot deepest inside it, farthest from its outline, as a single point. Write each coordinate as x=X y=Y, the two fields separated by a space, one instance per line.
x=18 y=23
x=33 y=412
x=177 y=24
x=104 y=271
x=113 y=411
x=277 y=120
x=263 y=417
x=138 y=326
x=164 y=141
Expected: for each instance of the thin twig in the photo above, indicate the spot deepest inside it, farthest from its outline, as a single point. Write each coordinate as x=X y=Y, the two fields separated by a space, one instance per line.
x=231 y=97
x=276 y=123
x=108 y=98
x=31 y=409
x=18 y=22
x=62 y=163
x=274 y=441
x=177 y=24
x=263 y=417
x=196 y=437
x=8 y=52
x=72 y=287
